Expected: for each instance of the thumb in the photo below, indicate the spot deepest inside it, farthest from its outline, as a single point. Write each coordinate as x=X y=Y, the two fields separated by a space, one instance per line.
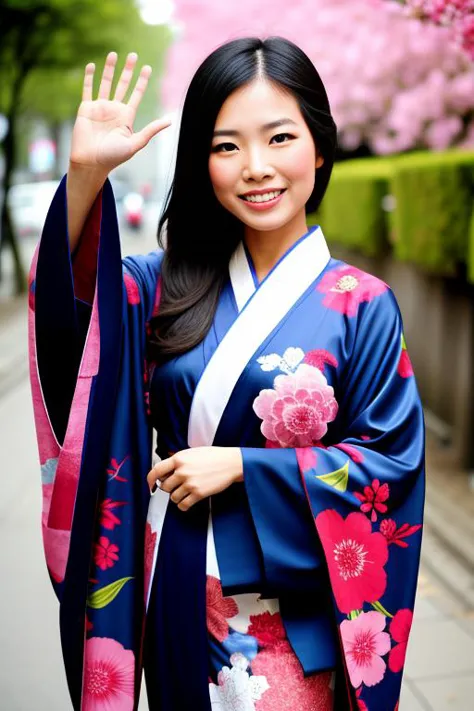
x=143 y=137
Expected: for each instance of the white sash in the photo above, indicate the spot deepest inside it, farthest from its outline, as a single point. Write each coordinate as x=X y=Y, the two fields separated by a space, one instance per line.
x=260 y=315
x=241 y=277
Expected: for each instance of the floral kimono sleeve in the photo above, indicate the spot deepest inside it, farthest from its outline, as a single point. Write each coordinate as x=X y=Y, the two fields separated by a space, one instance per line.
x=365 y=493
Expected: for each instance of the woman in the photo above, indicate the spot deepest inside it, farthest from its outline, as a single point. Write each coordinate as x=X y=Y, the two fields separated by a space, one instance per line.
x=278 y=382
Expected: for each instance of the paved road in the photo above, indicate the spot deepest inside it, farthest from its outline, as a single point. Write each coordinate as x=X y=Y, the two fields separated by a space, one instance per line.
x=440 y=663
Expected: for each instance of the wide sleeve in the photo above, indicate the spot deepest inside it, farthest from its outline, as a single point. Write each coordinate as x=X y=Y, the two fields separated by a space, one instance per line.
x=365 y=492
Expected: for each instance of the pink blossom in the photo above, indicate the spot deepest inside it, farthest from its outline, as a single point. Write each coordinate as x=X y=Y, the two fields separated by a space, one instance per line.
x=133 y=293
x=346 y=287
x=107 y=518
x=373 y=499
x=307 y=458
x=109 y=675
x=297 y=411
x=400 y=628
x=105 y=553
x=150 y=543
x=365 y=643
x=320 y=358
x=354 y=452
x=355 y=558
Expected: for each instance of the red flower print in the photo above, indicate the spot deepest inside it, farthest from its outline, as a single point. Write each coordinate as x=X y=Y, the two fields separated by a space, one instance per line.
x=150 y=542
x=405 y=368
x=219 y=609
x=105 y=553
x=399 y=629
x=306 y=457
x=267 y=628
x=108 y=519
x=373 y=498
x=320 y=358
x=389 y=529
x=355 y=558
x=364 y=643
x=346 y=287
x=133 y=294
x=115 y=467
x=109 y=676
x=289 y=688
x=89 y=625
x=361 y=705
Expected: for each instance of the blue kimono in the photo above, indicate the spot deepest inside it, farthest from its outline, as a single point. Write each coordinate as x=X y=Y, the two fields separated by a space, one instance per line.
x=252 y=599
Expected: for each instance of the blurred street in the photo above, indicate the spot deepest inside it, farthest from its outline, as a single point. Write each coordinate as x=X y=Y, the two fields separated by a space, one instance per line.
x=440 y=664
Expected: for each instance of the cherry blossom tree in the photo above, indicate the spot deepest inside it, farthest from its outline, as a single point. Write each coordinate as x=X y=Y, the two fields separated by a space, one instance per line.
x=395 y=83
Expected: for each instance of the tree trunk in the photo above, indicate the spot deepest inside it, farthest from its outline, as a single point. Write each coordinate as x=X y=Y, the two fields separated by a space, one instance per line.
x=7 y=233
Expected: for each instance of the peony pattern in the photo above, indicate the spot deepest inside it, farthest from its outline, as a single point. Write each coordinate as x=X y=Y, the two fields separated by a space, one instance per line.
x=400 y=628
x=218 y=609
x=346 y=287
x=236 y=690
x=355 y=558
x=297 y=410
x=108 y=676
x=365 y=642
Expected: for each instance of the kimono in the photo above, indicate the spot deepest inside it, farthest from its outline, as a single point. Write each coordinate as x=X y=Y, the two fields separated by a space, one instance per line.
x=293 y=589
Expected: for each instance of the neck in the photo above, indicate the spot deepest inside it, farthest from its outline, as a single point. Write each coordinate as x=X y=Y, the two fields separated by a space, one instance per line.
x=267 y=247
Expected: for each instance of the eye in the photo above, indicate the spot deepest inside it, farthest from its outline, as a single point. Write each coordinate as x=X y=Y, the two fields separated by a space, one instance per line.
x=281 y=137
x=224 y=148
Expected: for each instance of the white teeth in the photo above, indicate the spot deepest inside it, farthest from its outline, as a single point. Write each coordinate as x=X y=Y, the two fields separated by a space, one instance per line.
x=263 y=198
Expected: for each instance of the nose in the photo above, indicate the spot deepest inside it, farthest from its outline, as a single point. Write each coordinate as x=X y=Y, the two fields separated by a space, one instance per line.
x=257 y=168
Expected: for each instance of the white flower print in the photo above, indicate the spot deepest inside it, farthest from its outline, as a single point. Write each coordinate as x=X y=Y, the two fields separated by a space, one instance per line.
x=236 y=690
x=287 y=363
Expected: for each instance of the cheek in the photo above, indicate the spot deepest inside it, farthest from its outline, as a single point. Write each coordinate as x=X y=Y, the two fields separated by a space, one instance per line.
x=302 y=167
x=222 y=175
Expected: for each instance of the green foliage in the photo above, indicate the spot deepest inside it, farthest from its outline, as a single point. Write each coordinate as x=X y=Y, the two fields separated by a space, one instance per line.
x=351 y=213
x=432 y=224
x=433 y=194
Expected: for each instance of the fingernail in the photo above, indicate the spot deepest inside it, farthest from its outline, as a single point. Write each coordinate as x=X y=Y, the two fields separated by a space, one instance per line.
x=154 y=489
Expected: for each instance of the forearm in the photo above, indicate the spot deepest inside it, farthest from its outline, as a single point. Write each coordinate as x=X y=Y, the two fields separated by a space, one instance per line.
x=82 y=187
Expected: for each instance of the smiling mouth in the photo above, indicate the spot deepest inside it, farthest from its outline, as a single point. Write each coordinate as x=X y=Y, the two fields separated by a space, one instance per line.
x=264 y=197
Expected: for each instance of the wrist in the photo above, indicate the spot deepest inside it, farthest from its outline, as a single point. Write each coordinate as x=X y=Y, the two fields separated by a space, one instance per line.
x=90 y=174
x=239 y=465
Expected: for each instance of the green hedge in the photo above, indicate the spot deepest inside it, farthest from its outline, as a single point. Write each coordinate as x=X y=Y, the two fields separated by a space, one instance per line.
x=431 y=223
x=351 y=213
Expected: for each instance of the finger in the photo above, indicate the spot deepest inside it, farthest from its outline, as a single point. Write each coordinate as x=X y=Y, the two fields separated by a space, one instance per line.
x=126 y=76
x=88 y=82
x=187 y=502
x=179 y=494
x=140 y=87
x=160 y=470
x=170 y=483
x=107 y=75
x=143 y=137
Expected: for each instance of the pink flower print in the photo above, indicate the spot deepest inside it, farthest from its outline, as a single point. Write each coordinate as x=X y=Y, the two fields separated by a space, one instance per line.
x=353 y=452
x=219 y=609
x=105 y=553
x=346 y=287
x=131 y=287
x=108 y=519
x=319 y=359
x=400 y=628
x=355 y=558
x=296 y=412
x=150 y=542
x=364 y=643
x=389 y=529
x=289 y=689
x=115 y=467
x=267 y=629
x=307 y=458
x=109 y=676
x=405 y=368
x=361 y=705
x=373 y=499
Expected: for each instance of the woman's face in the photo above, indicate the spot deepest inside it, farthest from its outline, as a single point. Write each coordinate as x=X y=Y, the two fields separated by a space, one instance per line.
x=262 y=144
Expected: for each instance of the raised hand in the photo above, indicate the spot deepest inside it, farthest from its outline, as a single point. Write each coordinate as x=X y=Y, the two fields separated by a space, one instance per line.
x=103 y=136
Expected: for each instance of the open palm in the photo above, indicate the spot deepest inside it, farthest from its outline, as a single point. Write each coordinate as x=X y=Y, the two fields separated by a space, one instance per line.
x=103 y=135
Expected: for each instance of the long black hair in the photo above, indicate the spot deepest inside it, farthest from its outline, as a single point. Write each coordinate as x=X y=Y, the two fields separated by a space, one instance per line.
x=199 y=233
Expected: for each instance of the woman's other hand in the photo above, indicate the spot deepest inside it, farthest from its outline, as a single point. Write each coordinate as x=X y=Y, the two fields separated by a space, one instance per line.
x=103 y=135
x=197 y=473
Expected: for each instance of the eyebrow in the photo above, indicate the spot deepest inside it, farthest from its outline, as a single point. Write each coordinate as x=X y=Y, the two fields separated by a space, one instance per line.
x=265 y=127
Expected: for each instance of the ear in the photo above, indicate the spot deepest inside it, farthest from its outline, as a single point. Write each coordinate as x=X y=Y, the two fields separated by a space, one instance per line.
x=319 y=160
